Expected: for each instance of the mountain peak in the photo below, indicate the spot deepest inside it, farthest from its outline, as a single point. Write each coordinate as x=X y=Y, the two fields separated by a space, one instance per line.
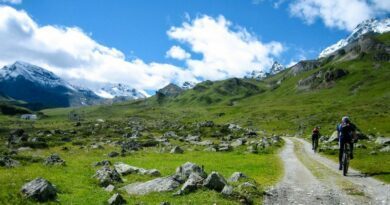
x=120 y=90
x=367 y=26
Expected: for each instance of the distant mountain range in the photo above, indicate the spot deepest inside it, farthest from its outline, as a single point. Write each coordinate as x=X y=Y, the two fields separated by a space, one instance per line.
x=368 y=26
x=260 y=74
x=40 y=88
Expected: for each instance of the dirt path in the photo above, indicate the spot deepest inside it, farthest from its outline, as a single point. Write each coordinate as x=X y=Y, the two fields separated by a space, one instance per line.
x=312 y=179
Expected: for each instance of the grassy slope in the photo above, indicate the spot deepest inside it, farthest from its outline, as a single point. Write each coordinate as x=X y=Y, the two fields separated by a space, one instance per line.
x=77 y=187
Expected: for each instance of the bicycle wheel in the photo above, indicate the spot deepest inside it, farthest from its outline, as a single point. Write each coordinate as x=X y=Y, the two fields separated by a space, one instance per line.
x=345 y=162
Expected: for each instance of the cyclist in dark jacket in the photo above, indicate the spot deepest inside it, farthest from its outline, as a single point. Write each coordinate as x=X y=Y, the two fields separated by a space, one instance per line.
x=315 y=136
x=346 y=131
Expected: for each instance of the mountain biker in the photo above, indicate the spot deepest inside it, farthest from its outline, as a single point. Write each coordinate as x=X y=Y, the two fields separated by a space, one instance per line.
x=346 y=132
x=315 y=136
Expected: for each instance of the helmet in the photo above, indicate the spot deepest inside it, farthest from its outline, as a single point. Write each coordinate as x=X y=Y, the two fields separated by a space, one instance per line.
x=345 y=119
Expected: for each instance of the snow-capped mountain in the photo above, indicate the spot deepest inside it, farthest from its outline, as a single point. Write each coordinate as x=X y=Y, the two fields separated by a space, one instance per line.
x=368 y=26
x=275 y=68
x=120 y=90
x=38 y=86
x=260 y=74
x=32 y=73
x=188 y=85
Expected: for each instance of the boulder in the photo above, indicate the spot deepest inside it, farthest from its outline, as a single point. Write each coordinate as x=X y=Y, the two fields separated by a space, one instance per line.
x=192 y=138
x=252 y=148
x=177 y=150
x=103 y=163
x=113 y=154
x=215 y=181
x=156 y=185
x=109 y=188
x=224 y=147
x=185 y=170
x=227 y=190
x=125 y=169
x=7 y=162
x=238 y=142
x=130 y=146
x=116 y=199
x=54 y=159
x=205 y=143
x=385 y=149
x=107 y=176
x=382 y=141
x=40 y=190
x=236 y=176
x=193 y=182
x=233 y=127
x=333 y=137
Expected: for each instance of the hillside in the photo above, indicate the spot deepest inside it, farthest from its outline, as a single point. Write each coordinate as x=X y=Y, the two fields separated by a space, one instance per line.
x=353 y=82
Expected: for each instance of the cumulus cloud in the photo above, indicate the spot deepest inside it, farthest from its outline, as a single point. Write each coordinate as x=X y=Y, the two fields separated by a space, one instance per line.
x=341 y=14
x=178 y=53
x=11 y=1
x=72 y=54
x=226 y=50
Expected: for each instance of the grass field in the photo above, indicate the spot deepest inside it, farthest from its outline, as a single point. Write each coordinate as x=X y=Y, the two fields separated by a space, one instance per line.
x=77 y=186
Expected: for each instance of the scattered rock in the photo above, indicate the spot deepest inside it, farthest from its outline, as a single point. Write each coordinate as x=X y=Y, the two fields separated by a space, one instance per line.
x=177 y=150
x=109 y=188
x=385 y=149
x=236 y=176
x=382 y=141
x=165 y=203
x=125 y=169
x=7 y=162
x=97 y=146
x=40 y=190
x=215 y=181
x=227 y=190
x=107 y=176
x=113 y=154
x=238 y=142
x=54 y=159
x=155 y=185
x=103 y=163
x=185 y=170
x=130 y=146
x=193 y=182
x=116 y=199
x=333 y=137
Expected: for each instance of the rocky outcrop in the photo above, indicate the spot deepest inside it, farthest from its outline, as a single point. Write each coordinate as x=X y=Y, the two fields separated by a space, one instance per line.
x=40 y=190
x=107 y=176
x=116 y=199
x=54 y=159
x=156 y=185
x=7 y=162
x=215 y=181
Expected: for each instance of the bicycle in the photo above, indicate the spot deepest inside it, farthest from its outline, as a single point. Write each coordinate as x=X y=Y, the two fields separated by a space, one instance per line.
x=346 y=158
x=315 y=145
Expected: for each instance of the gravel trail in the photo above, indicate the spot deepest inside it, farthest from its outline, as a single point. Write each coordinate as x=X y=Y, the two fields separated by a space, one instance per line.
x=312 y=179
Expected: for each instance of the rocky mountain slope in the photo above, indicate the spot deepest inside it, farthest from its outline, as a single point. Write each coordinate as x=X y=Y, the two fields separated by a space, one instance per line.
x=42 y=88
x=368 y=26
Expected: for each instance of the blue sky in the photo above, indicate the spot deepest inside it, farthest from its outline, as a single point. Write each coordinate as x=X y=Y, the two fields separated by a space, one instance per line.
x=139 y=27
x=150 y=43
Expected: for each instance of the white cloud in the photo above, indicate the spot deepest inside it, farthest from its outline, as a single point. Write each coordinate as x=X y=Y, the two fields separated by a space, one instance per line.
x=227 y=52
x=341 y=14
x=177 y=52
x=11 y=1
x=72 y=54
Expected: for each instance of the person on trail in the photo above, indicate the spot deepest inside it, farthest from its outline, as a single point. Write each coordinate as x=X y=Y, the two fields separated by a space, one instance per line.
x=314 y=137
x=346 y=132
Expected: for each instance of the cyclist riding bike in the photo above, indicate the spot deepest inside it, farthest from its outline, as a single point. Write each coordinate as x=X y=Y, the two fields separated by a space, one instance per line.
x=314 y=138
x=346 y=131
